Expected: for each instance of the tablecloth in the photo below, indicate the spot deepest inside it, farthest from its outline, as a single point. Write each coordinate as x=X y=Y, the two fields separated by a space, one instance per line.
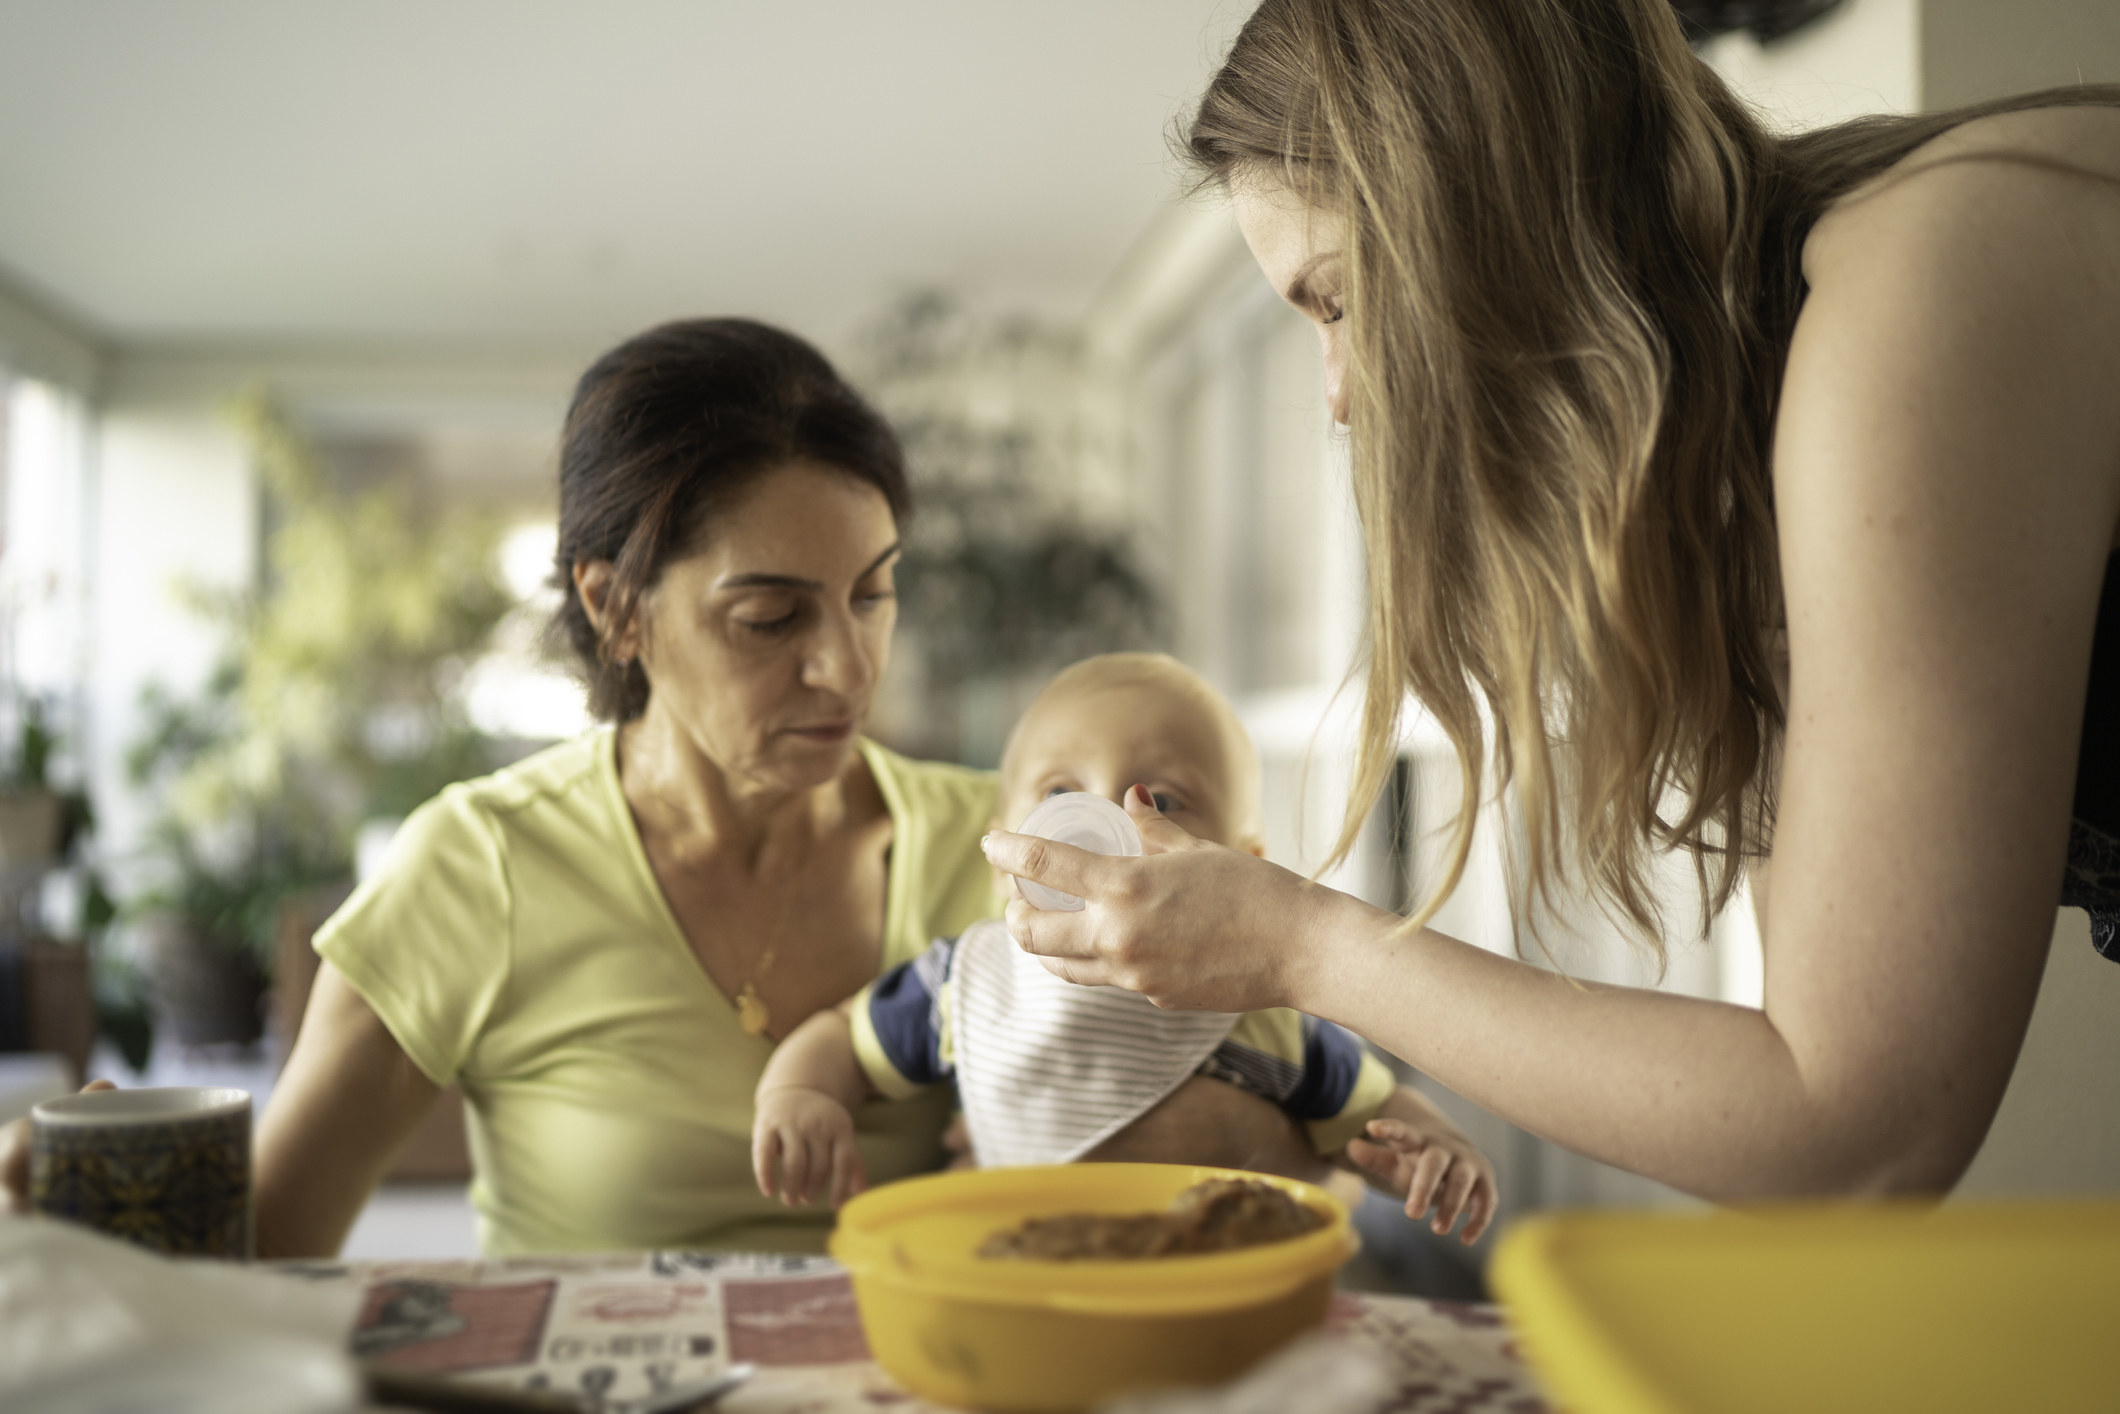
x=619 y=1327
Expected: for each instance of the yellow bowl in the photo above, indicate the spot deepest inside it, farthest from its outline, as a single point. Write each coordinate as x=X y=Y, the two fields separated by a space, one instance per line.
x=1048 y=1337
x=1821 y=1307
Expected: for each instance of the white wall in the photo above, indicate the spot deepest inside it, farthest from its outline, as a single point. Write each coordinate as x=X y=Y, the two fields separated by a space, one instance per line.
x=2058 y=1131
x=357 y=386
x=45 y=554
x=1864 y=57
x=1907 y=56
x=1977 y=49
x=177 y=504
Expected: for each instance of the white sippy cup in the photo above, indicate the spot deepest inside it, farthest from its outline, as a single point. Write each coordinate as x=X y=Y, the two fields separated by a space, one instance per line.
x=1085 y=821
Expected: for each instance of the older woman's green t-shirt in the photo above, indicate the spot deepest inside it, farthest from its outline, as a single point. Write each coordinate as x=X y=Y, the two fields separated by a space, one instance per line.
x=516 y=943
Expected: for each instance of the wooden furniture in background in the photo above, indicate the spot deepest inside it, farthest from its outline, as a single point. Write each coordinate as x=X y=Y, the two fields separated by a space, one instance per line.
x=62 y=1001
x=52 y=987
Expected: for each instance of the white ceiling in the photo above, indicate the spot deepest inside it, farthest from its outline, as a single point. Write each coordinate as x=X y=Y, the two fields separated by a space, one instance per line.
x=562 y=171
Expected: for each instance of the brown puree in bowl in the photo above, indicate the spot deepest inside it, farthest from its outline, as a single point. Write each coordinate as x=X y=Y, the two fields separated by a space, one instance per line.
x=1219 y=1215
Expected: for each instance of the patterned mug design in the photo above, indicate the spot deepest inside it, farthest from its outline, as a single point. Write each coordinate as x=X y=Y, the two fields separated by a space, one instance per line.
x=167 y=1169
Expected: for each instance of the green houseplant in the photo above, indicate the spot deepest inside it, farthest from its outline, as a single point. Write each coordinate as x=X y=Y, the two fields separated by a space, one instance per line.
x=1004 y=578
x=337 y=699
x=34 y=818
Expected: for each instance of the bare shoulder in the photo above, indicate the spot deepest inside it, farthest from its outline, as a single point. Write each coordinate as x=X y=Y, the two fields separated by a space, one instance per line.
x=2086 y=136
x=2050 y=175
x=1973 y=293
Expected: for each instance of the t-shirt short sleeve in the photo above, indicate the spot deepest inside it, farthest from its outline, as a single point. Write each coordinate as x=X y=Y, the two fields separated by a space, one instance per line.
x=1317 y=1072
x=1373 y=1084
x=427 y=940
x=900 y=1030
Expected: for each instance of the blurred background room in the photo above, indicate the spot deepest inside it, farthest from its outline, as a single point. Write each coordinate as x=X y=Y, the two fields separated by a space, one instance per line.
x=292 y=296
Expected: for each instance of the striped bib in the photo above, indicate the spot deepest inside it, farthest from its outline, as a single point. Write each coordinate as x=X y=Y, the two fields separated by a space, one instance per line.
x=1047 y=1070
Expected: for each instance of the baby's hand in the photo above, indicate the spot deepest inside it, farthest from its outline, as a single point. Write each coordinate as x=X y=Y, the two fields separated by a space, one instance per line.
x=1436 y=1170
x=802 y=1144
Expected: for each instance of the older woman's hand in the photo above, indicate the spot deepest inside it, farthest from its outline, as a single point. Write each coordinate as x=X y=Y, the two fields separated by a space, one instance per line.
x=14 y=1158
x=1190 y=925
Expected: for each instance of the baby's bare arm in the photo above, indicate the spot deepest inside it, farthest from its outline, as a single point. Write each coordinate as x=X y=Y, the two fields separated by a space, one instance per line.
x=1411 y=1108
x=819 y=1055
x=802 y=1135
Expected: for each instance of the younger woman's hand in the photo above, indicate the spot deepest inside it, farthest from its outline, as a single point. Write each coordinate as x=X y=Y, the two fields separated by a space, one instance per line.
x=802 y=1147
x=14 y=1158
x=1430 y=1169
x=1191 y=925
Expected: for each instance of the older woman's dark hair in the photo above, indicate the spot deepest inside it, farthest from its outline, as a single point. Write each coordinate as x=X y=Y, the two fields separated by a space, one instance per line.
x=667 y=429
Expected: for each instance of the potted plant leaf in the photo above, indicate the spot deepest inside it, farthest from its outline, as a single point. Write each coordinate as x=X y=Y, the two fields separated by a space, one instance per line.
x=32 y=814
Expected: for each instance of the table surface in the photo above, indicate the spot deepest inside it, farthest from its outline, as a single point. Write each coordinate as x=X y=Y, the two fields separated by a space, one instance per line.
x=621 y=1327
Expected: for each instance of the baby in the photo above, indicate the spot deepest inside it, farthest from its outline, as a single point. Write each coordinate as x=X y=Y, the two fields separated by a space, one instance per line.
x=1046 y=1070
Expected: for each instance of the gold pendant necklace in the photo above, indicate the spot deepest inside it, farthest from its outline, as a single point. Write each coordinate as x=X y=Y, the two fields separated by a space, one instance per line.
x=753 y=1016
x=751 y=1012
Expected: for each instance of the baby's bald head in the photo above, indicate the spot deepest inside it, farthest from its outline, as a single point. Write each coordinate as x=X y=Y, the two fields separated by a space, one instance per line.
x=1122 y=719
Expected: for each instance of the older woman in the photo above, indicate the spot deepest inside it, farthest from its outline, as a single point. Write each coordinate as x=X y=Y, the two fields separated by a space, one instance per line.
x=602 y=943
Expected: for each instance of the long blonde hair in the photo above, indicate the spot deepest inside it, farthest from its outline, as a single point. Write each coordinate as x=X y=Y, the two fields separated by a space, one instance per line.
x=1572 y=277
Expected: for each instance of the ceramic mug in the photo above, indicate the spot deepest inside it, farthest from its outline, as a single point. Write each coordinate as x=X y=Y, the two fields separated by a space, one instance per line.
x=168 y=1169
